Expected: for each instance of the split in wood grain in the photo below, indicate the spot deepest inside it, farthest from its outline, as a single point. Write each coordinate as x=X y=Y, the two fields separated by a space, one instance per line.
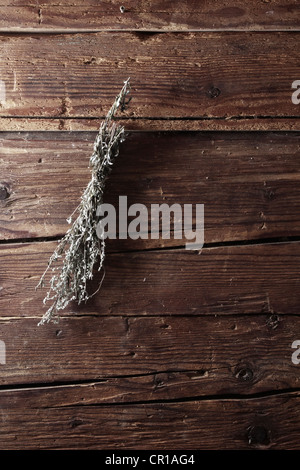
x=143 y=359
x=260 y=423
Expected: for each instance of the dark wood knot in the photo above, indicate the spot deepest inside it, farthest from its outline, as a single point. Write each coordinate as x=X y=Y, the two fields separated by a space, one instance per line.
x=214 y=92
x=244 y=373
x=4 y=191
x=259 y=435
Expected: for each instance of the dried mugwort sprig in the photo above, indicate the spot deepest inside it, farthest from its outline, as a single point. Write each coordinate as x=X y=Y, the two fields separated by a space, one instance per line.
x=73 y=262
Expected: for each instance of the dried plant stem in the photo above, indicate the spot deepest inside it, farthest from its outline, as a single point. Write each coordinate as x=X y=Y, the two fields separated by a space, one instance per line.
x=72 y=263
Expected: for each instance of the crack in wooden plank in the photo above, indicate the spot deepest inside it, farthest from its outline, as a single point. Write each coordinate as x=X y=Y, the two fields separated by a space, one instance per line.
x=291 y=392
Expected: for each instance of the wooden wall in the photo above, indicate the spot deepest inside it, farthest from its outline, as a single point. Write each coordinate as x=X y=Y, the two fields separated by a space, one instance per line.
x=180 y=349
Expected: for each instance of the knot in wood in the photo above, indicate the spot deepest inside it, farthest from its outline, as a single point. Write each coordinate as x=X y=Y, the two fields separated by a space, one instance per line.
x=259 y=435
x=244 y=373
x=4 y=191
x=214 y=92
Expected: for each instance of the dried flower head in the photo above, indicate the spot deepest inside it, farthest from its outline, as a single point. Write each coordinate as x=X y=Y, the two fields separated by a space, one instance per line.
x=73 y=262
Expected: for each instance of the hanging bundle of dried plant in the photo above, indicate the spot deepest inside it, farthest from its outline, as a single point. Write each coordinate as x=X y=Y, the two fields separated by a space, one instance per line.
x=73 y=262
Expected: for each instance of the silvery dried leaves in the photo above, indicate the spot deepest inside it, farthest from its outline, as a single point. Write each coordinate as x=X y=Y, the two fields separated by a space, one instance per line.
x=73 y=262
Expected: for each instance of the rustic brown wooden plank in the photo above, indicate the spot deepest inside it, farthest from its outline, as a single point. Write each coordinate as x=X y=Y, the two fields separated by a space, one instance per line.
x=85 y=124
x=186 y=75
x=161 y=125
x=176 y=358
x=228 y=280
x=144 y=15
x=261 y=423
x=249 y=183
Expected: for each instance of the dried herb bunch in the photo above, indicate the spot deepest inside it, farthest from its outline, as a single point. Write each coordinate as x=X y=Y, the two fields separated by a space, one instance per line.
x=73 y=262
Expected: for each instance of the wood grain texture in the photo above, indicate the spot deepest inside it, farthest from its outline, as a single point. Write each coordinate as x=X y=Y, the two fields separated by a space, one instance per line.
x=179 y=349
x=249 y=183
x=64 y=123
x=175 y=15
x=226 y=280
x=147 y=358
x=260 y=423
x=186 y=75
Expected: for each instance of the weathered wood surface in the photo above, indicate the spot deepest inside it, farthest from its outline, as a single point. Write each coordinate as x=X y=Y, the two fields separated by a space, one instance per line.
x=157 y=358
x=260 y=423
x=174 y=75
x=180 y=349
x=249 y=183
x=65 y=123
x=226 y=280
x=176 y=15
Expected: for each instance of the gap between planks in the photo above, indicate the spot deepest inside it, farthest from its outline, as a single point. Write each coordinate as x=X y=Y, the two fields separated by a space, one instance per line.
x=229 y=243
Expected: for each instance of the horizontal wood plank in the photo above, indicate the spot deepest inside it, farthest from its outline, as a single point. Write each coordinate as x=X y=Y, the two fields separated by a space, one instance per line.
x=179 y=349
x=261 y=423
x=175 y=15
x=227 y=280
x=249 y=183
x=185 y=75
x=151 y=358
x=85 y=124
